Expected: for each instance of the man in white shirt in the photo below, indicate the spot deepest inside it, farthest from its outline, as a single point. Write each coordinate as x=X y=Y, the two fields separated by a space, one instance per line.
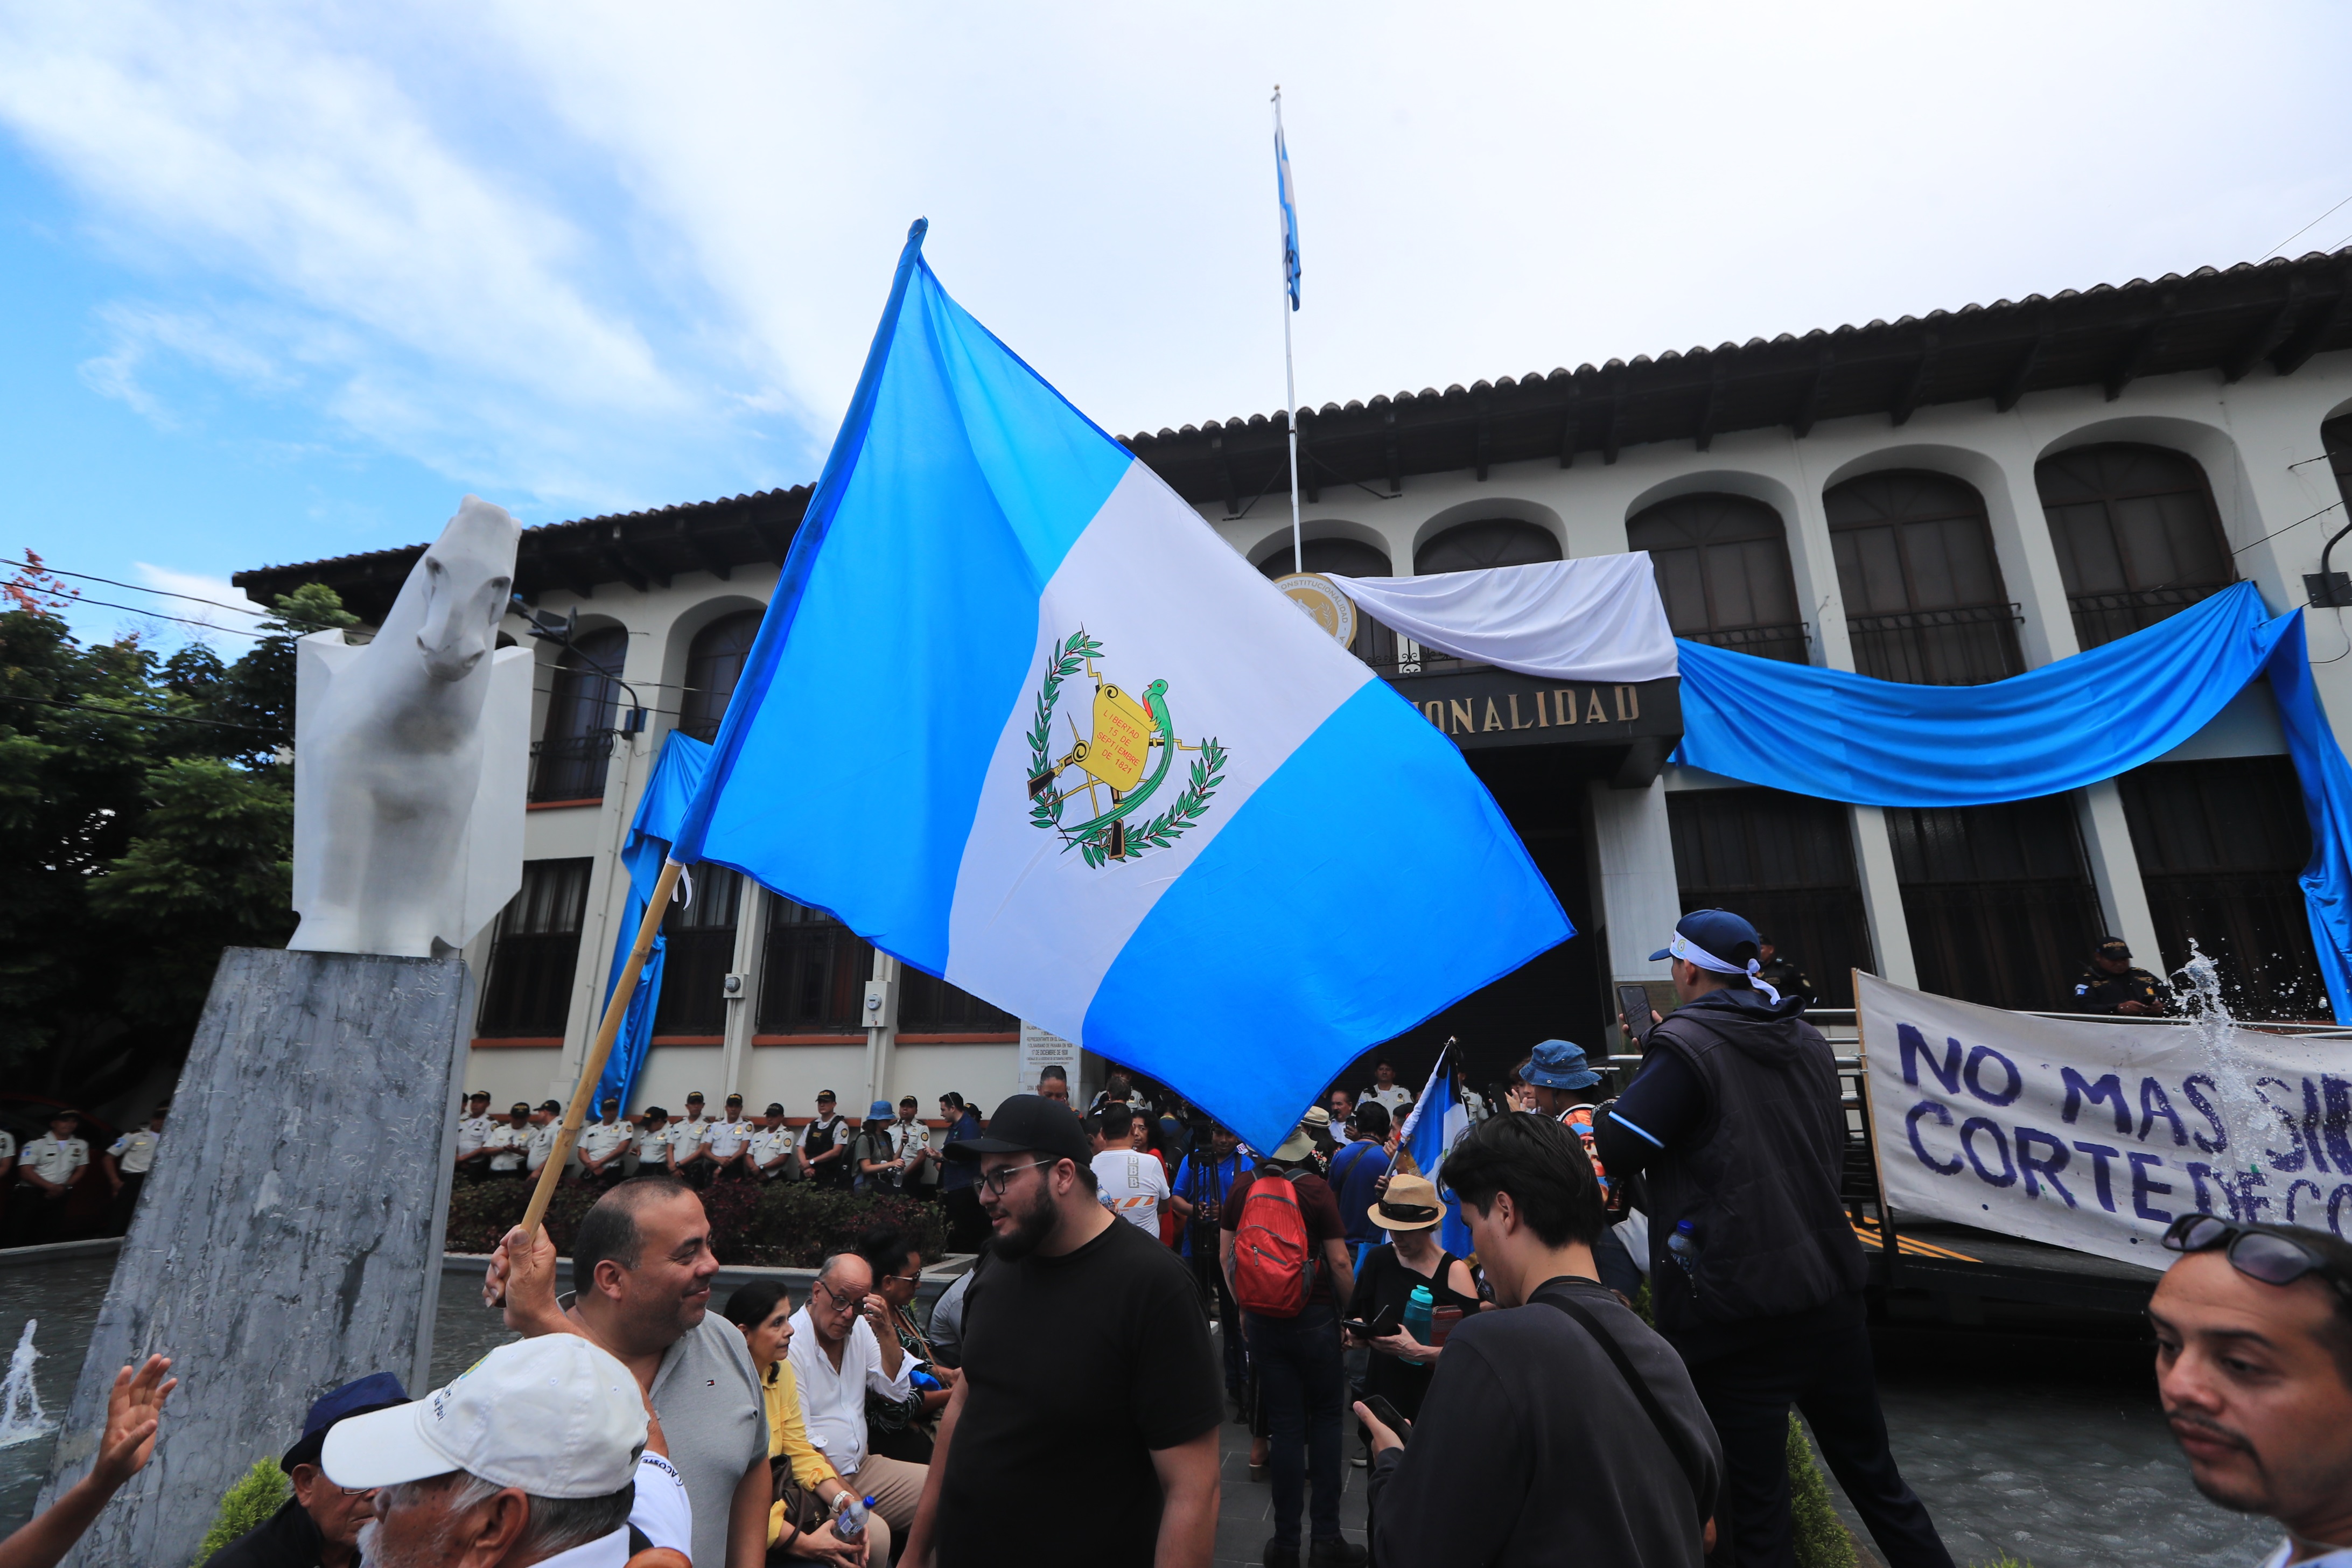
x=2253 y=1367
x=837 y=1358
x=1131 y=1182
x=509 y=1144
x=727 y=1142
x=1387 y=1091
x=473 y=1131
x=128 y=1160
x=546 y=1122
x=689 y=1161
x=602 y=1142
x=50 y=1167
x=776 y=1151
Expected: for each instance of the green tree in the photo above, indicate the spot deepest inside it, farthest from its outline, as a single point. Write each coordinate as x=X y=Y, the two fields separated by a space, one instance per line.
x=145 y=823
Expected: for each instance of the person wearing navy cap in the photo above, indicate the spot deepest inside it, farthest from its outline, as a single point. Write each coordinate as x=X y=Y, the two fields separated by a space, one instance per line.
x=1734 y=1123
x=320 y=1525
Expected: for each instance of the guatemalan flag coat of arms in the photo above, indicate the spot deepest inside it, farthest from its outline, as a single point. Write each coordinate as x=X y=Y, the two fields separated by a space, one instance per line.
x=1018 y=715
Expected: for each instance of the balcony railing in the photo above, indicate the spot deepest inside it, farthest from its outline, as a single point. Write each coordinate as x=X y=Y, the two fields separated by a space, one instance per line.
x=571 y=767
x=2102 y=617
x=1785 y=643
x=1967 y=646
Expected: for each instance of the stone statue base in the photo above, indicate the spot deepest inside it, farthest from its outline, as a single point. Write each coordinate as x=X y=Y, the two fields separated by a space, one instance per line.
x=289 y=1239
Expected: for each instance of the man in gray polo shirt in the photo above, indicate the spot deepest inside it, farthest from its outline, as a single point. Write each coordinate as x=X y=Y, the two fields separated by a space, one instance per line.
x=641 y=1266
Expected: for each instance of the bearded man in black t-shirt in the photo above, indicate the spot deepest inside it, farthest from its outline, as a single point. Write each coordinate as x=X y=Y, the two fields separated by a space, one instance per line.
x=1089 y=1386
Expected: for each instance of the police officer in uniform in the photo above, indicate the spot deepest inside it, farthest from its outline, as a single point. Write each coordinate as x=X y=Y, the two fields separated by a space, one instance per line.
x=473 y=1131
x=2112 y=985
x=546 y=1122
x=602 y=1144
x=1781 y=973
x=658 y=1144
x=775 y=1152
x=50 y=1168
x=825 y=1146
x=727 y=1142
x=509 y=1144
x=689 y=1161
x=128 y=1160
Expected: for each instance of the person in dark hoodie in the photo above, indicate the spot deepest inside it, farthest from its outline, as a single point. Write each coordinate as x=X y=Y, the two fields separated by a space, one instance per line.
x=1734 y=1125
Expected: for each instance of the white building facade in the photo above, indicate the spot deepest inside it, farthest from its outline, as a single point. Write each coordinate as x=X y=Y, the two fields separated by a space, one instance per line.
x=1945 y=501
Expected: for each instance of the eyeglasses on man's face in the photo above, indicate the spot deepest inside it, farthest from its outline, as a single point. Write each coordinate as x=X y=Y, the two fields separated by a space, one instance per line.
x=843 y=1300
x=997 y=1180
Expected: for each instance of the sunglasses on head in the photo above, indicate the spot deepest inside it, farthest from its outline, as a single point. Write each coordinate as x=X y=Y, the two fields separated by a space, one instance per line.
x=2257 y=1252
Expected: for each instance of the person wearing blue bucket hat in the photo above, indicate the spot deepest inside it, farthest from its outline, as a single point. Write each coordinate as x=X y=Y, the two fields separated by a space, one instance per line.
x=1735 y=1127
x=1556 y=1077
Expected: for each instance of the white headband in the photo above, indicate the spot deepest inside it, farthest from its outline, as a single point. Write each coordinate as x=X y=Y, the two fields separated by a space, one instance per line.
x=1689 y=952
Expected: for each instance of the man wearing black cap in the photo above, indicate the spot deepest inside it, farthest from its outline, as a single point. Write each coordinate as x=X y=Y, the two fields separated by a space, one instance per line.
x=690 y=1159
x=546 y=1124
x=602 y=1144
x=2111 y=984
x=1087 y=1369
x=320 y=1525
x=473 y=1131
x=1736 y=1125
x=728 y=1142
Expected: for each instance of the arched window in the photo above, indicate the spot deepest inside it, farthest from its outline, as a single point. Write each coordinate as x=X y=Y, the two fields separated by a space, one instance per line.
x=1923 y=596
x=1723 y=570
x=1498 y=541
x=579 y=738
x=2137 y=535
x=1344 y=556
x=714 y=662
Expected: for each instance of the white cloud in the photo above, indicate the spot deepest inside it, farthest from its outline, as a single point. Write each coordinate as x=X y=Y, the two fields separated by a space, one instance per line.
x=609 y=255
x=200 y=597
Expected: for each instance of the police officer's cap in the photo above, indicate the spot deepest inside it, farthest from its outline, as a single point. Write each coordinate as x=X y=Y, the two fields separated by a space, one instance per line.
x=775 y=1108
x=2114 y=948
x=655 y=1110
x=520 y=1108
x=480 y=1094
x=734 y=1100
x=557 y=1106
x=695 y=1097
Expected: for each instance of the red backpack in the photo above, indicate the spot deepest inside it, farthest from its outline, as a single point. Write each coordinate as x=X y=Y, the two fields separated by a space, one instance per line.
x=1272 y=1271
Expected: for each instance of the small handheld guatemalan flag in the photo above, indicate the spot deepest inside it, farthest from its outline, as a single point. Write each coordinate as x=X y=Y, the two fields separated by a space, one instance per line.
x=1018 y=715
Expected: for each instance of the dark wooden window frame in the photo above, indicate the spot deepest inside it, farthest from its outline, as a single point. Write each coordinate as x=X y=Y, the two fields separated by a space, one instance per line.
x=1784 y=639
x=1948 y=644
x=2101 y=616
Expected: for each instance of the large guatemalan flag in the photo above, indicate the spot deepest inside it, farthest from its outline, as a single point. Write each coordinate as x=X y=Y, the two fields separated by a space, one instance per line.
x=1017 y=715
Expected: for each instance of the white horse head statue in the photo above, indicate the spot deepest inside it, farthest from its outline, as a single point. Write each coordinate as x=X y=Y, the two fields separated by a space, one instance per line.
x=410 y=755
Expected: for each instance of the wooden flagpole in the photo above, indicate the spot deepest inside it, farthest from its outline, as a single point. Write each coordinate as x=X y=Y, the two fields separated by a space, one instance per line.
x=617 y=1009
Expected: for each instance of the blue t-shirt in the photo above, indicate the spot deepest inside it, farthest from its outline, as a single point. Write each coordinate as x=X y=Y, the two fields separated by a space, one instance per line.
x=955 y=1173
x=1356 y=1170
x=1203 y=1181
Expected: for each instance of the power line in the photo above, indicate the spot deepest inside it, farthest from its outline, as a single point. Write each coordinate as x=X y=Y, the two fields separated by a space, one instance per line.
x=2298 y=234
x=142 y=588
x=135 y=713
x=139 y=610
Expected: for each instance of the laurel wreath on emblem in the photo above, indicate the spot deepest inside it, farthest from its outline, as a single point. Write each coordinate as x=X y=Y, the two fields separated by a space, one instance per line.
x=1144 y=724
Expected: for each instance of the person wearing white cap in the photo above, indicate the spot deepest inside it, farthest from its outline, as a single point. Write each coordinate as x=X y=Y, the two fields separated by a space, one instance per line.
x=529 y=1457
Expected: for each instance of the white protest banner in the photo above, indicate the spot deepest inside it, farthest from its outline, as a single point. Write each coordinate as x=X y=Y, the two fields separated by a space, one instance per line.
x=2094 y=1134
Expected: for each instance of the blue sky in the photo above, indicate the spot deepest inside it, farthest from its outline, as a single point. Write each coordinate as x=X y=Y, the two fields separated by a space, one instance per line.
x=281 y=282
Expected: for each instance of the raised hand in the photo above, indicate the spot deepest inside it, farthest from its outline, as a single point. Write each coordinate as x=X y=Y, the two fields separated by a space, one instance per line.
x=134 y=1412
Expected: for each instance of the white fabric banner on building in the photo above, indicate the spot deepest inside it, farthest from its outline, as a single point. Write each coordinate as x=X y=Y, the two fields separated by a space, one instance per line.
x=1598 y=617
x=1042 y=1049
x=2094 y=1134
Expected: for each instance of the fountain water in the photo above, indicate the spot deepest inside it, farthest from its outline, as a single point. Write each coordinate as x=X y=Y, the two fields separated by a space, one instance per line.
x=2235 y=1102
x=22 y=1419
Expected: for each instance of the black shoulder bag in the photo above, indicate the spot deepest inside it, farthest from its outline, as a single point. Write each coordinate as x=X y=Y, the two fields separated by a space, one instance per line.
x=1677 y=1443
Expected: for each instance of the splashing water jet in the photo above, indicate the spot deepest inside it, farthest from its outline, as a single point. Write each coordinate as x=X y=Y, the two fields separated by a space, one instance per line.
x=22 y=1418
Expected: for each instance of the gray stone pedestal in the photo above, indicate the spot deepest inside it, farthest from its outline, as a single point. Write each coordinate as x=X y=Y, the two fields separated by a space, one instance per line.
x=289 y=1239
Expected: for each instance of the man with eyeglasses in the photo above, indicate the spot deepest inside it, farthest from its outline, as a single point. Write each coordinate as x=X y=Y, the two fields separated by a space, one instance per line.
x=836 y=1358
x=2254 y=1364
x=1087 y=1370
x=319 y=1526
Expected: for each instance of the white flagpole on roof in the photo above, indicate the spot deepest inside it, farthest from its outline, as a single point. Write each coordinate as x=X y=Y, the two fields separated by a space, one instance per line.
x=1286 y=216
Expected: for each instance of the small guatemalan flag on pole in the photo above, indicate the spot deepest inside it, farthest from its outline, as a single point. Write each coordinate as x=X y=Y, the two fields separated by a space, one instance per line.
x=1289 y=199
x=1019 y=716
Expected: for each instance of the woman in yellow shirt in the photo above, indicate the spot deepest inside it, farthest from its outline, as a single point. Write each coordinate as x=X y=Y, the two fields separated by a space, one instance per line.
x=765 y=1314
